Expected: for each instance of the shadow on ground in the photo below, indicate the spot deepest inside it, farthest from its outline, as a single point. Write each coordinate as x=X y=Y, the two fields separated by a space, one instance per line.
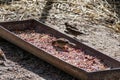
x=32 y=63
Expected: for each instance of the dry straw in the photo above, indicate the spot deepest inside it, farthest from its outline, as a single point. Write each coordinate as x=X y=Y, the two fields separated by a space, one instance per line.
x=97 y=11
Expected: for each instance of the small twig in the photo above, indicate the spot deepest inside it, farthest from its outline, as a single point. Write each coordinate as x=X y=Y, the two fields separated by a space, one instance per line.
x=2 y=55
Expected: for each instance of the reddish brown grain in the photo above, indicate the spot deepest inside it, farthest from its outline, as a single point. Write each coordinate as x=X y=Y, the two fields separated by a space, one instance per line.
x=73 y=56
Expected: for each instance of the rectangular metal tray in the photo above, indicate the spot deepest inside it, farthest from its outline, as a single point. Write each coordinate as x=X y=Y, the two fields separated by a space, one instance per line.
x=5 y=33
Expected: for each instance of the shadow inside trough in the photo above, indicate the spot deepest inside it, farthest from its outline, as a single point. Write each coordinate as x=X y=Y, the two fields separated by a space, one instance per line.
x=31 y=63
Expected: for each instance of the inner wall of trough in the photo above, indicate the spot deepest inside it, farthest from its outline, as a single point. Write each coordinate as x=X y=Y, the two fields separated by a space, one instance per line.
x=18 y=25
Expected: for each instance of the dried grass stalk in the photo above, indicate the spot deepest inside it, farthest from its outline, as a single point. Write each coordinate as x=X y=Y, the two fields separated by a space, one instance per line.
x=97 y=11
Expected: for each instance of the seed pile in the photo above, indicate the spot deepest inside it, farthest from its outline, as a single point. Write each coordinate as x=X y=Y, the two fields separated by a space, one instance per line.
x=73 y=56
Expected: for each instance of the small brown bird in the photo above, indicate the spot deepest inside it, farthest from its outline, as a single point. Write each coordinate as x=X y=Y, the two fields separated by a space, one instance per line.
x=2 y=55
x=62 y=43
x=72 y=30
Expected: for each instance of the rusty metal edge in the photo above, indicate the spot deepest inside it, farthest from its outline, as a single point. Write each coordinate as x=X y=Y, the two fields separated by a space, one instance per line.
x=105 y=75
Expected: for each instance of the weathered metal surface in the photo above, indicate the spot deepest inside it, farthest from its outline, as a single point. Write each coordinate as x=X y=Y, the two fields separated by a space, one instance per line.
x=7 y=27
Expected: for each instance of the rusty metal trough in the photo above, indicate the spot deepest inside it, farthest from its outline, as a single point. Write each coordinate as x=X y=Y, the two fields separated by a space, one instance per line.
x=5 y=33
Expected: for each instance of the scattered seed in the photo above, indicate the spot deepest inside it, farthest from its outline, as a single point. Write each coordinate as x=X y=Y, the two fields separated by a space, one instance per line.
x=73 y=56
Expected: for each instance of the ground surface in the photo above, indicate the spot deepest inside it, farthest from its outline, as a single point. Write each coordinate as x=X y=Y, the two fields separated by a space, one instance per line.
x=24 y=66
x=96 y=35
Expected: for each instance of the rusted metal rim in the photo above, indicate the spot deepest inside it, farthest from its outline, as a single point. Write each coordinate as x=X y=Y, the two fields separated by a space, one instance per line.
x=74 y=71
